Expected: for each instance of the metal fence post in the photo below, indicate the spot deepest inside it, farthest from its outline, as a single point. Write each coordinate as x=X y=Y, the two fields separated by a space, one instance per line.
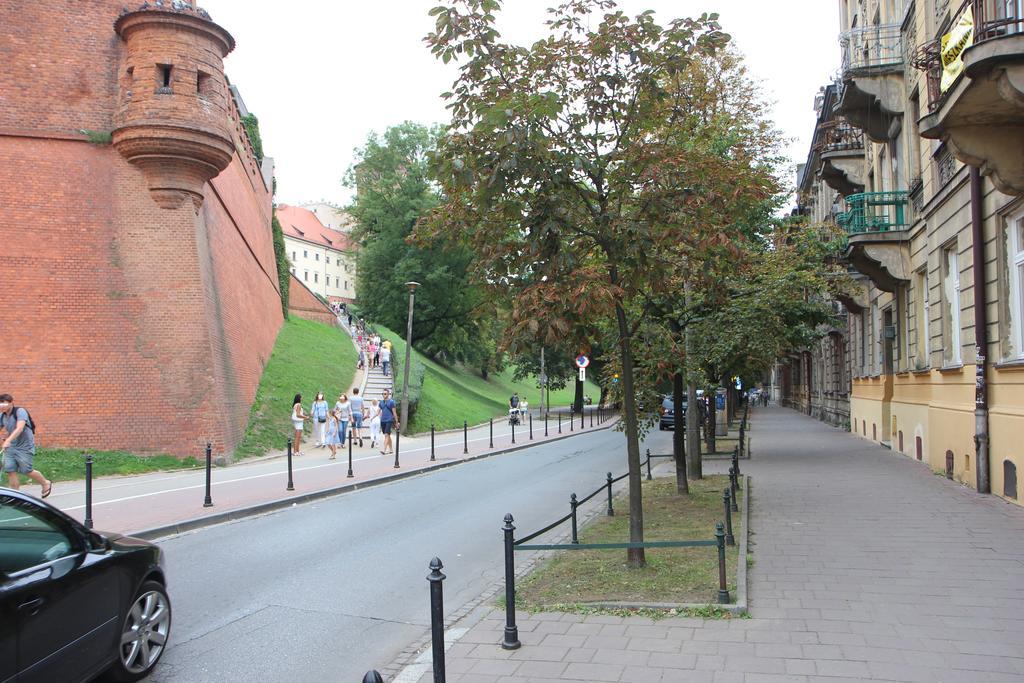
x=512 y=424
x=572 y=422
x=648 y=464
x=491 y=431
x=732 y=484
x=511 y=639
x=465 y=437
x=208 y=501
x=398 y=448
x=573 y=505
x=559 y=423
x=545 y=425
x=611 y=510
x=373 y=677
x=88 y=490
x=723 y=588
x=350 y=440
x=432 y=457
x=291 y=485
x=743 y=429
x=530 y=416
x=437 y=618
x=727 y=503
x=591 y=417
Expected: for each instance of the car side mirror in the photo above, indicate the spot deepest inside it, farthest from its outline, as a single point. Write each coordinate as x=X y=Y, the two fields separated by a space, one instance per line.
x=95 y=541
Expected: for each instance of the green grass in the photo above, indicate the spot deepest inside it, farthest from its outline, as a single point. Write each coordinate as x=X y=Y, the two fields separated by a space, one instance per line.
x=455 y=394
x=307 y=357
x=68 y=464
x=572 y=578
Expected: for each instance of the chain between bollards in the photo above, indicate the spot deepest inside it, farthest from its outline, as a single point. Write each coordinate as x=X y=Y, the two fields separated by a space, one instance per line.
x=398 y=441
x=723 y=588
x=208 y=500
x=572 y=506
x=350 y=440
x=511 y=639
x=437 y=618
x=611 y=510
x=432 y=457
x=727 y=503
x=88 y=490
x=465 y=437
x=291 y=484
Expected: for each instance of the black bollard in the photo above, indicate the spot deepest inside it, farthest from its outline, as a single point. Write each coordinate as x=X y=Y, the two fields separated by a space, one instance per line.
x=591 y=417
x=648 y=464
x=432 y=458
x=545 y=425
x=88 y=490
x=572 y=506
x=398 y=441
x=291 y=485
x=559 y=423
x=723 y=588
x=583 y=414
x=530 y=416
x=437 y=618
x=732 y=486
x=465 y=437
x=373 y=677
x=511 y=639
x=208 y=501
x=742 y=430
x=727 y=502
x=490 y=429
x=350 y=440
x=572 y=422
x=611 y=510
x=512 y=424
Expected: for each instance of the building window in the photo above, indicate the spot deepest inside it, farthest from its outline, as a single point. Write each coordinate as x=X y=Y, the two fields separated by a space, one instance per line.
x=293 y=271
x=316 y=277
x=951 y=302
x=1015 y=264
x=305 y=275
x=923 y=335
x=293 y=257
x=163 y=78
x=204 y=84
x=317 y=256
x=327 y=259
x=305 y=253
x=346 y=285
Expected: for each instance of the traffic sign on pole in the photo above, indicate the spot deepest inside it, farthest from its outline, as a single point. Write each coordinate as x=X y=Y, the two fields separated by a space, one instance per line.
x=582 y=361
x=583 y=374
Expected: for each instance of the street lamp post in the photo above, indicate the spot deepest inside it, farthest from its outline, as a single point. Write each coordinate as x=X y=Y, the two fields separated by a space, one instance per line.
x=408 y=356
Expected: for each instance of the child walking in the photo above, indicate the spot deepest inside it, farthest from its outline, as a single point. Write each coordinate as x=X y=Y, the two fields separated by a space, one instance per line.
x=332 y=436
x=374 y=416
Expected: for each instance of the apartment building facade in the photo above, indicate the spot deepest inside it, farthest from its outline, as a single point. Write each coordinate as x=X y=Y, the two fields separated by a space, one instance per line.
x=323 y=259
x=920 y=154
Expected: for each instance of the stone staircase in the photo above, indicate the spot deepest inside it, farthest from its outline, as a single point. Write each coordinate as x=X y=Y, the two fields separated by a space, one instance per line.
x=376 y=383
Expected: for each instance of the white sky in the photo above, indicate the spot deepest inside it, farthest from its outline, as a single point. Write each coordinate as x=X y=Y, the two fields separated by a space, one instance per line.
x=322 y=74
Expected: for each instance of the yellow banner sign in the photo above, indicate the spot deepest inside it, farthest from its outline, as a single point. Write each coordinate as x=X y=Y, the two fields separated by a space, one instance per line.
x=952 y=48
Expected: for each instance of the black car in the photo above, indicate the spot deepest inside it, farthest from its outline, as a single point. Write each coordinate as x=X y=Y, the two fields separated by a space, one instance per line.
x=75 y=603
x=667 y=421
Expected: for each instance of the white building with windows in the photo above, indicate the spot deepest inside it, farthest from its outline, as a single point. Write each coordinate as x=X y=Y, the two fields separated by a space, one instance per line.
x=331 y=216
x=322 y=258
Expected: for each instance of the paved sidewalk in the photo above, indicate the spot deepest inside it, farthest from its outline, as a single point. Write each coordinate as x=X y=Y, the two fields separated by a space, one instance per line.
x=866 y=567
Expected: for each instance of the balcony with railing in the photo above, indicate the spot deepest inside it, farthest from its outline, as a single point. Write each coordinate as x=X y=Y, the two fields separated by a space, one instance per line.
x=978 y=108
x=840 y=147
x=872 y=92
x=878 y=236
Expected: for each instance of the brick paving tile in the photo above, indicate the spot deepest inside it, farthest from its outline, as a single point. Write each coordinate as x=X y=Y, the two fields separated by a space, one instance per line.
x=866 y=567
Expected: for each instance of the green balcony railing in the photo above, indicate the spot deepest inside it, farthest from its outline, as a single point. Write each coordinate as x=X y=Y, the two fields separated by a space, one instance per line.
x=875 y=212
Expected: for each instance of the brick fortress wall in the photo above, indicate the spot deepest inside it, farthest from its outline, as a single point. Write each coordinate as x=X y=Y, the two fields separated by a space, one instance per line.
x=128 y=324
x=303 y=303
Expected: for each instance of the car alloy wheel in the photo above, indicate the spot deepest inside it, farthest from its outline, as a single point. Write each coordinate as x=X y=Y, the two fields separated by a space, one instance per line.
x=146 y=629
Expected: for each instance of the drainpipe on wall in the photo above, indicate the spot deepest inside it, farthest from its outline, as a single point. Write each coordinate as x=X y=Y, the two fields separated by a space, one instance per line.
x=980 y=337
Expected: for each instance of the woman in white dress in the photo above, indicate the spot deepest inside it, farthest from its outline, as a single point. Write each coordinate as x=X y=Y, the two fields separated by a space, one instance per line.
x=299 y=418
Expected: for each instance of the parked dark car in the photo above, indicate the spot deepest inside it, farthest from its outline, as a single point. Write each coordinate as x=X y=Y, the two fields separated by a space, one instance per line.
x=75 y=603
x=667 y=421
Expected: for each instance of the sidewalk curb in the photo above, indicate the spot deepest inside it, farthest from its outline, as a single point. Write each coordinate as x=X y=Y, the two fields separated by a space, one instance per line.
x=281 y=503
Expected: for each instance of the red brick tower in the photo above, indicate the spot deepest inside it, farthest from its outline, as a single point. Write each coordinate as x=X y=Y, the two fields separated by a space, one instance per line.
x=172 y=116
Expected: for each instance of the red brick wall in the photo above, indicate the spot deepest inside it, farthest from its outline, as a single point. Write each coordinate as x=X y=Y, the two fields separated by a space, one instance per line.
x=127 y=325
x=303 y=303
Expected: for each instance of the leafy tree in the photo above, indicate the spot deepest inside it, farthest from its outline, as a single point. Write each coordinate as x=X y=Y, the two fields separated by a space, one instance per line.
x=562 y=172
x=393 y=190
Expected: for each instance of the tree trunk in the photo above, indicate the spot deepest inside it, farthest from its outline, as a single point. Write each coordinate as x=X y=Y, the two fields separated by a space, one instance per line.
x=693 y=463
x=635 y=557
x=712 y=424
x=577 y=402
x=679 y=435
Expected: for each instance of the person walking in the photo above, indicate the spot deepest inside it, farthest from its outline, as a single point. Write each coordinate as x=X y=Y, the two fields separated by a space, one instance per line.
x=318 y=411
x=331 y=436
x=388 y=420
x=385 y=359
x=299 y=418
x=357 y=409
x=344 y=410
x=18 y=449
x=374 y=421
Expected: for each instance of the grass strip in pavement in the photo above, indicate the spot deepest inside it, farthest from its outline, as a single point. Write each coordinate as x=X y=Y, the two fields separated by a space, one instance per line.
x=68 y=464
x=572 y=578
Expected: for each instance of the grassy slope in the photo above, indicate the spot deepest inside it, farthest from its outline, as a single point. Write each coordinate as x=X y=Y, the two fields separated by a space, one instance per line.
x=307 y=357
x=66 y=464
x=454 y=394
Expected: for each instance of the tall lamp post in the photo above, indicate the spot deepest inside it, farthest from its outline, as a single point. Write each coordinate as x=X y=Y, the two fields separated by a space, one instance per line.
x=408 y=355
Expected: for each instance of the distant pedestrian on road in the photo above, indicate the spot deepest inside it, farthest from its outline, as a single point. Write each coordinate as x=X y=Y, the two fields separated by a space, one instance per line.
x=356 y=406
x=350 y=320
x=388 y=420
x=318 y=411
x=371 y=352
x=19 y=448
x=374 y=413
x=362 y=359
x=331 y=437
x=299 y=418
x=385 y=359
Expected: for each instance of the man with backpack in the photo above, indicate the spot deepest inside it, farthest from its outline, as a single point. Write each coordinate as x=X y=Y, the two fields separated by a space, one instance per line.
x=19 y=448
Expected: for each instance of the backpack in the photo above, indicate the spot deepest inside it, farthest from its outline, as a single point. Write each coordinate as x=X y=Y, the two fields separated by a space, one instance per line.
x=514 y=401
x=29 y=422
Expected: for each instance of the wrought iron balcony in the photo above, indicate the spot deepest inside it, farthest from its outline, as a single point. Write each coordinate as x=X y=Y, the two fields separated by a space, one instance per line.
x=872 y=94
x=870 y=47
x=839 y=136
x=876 y=212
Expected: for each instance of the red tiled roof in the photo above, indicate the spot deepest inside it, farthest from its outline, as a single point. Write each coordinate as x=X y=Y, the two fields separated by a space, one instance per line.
x=304 y=225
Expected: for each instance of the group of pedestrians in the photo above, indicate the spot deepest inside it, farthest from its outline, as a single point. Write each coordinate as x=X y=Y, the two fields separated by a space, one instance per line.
x=333 y=426
x=373 y=352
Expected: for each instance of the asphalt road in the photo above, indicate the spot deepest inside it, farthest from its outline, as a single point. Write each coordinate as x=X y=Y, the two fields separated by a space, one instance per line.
x=328 y=590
